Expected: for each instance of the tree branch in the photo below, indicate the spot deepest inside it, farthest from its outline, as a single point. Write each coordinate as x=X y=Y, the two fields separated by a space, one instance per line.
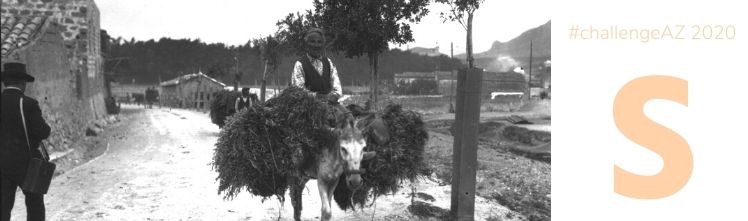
x=458 y=17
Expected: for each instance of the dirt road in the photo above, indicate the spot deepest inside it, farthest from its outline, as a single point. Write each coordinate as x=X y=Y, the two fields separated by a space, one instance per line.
x=157 y=168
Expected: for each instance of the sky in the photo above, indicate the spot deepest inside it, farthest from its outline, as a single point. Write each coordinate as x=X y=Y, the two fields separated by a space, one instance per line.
x=234 y=22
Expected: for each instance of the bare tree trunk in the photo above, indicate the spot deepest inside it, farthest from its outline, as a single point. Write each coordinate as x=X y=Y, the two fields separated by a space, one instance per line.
x=264 y=81
x=277 y=81
x=197 y=96
x=376 y=80
x=374 y=84
x=237 y=79
x=469 y=43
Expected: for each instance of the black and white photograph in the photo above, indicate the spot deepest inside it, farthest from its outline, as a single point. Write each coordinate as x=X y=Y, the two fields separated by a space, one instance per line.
x=275 y=110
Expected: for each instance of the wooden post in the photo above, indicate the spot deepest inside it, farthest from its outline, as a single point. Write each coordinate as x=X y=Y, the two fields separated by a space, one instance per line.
x=452 y=81
x=529 y=76
x=238 y=74
x=465 y=155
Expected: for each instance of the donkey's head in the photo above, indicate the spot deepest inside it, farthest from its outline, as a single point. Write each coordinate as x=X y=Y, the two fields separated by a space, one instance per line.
x=352 y=142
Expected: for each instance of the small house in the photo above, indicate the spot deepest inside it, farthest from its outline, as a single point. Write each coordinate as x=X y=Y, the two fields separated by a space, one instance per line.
x=431 y=52
x=189 y=91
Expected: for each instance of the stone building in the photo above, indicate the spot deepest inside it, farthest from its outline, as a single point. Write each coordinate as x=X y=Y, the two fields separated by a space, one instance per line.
x=58 y=40
x=446 y=80
x=431 y=52
x=189 y=91
x=503 y=82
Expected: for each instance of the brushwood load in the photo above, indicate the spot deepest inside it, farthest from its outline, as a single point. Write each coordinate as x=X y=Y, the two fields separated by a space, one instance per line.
x=222 y=106
x=262 y=149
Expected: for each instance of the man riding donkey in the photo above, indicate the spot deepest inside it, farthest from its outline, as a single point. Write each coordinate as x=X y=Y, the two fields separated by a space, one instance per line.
x=314 y=72
x=317 y=74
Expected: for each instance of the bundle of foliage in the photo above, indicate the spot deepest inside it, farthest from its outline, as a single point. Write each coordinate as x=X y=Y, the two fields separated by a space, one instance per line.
x=261 y=146
x=222 y=106
x=398 y=159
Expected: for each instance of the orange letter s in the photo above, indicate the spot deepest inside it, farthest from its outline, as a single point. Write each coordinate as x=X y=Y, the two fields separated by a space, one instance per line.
x=628 y=113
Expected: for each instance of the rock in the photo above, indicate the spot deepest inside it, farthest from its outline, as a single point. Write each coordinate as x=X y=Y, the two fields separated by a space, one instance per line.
x=100 y=124
x=112 y=119
x=93 y=131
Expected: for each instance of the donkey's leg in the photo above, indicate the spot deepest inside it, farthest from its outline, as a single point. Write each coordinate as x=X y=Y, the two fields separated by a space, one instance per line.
x=331 y=190
x=297 y=186
x=324 y=196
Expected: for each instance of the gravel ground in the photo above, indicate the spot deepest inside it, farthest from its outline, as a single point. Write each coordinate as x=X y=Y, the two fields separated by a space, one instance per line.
x=157 y=168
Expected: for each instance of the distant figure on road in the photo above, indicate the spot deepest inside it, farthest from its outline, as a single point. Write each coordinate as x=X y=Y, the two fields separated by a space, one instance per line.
x=243 y=101
x=150 y=97
x=15 y=152
x=139 y=99
x=254 y=98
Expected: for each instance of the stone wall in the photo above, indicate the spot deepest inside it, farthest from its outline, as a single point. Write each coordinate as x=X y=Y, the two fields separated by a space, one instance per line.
x=77 y=17
x=55 y=90
x=79 y=21
x=67 y=64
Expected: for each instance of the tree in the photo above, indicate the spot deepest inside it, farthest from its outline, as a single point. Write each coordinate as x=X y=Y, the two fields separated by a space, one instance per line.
x=458 y=10
x=216 y=71
x=270 y=49
x=237 y=73
x=170 y=58
x=291 y=31
x=367 y=27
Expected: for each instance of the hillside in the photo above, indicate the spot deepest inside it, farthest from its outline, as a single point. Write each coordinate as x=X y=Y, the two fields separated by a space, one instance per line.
x=517 y=50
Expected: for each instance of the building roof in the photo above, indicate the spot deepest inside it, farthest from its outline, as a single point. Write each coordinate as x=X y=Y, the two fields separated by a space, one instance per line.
x=19 y=32
x=446 y=75
x=188 y=77
x=415 y=75
x=504 y=76
x=432 y=52
x=440 y=75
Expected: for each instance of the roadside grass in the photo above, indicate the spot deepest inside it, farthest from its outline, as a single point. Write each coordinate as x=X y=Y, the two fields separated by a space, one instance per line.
x=520 y=183
x=440 y=104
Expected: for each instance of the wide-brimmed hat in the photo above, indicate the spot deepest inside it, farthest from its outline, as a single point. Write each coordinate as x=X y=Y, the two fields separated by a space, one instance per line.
x=314 y=30
x=15 y=71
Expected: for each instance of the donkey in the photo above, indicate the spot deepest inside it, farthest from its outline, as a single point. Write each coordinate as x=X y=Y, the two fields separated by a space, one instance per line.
x=342 y=160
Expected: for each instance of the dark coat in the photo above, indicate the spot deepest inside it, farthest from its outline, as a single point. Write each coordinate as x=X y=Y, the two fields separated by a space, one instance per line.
x=14 y=153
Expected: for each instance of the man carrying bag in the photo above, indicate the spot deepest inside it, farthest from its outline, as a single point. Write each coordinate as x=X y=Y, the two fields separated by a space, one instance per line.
x=21 y=161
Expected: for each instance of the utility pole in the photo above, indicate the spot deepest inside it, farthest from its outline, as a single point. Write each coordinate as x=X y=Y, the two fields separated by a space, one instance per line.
x=529 y=76
x=158 y=86
x=452 y=81
x=238 y=75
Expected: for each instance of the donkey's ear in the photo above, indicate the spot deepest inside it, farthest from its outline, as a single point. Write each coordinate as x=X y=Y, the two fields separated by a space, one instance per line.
x=363 y=122
x=358 y=124
x=368 y=155
x=381 y=133
x=334 y=131
x=356 y=110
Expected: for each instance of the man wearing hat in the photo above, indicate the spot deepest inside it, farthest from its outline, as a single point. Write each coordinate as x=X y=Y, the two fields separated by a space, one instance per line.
x=15 y=153
x=315 y=72
x=243 y=101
